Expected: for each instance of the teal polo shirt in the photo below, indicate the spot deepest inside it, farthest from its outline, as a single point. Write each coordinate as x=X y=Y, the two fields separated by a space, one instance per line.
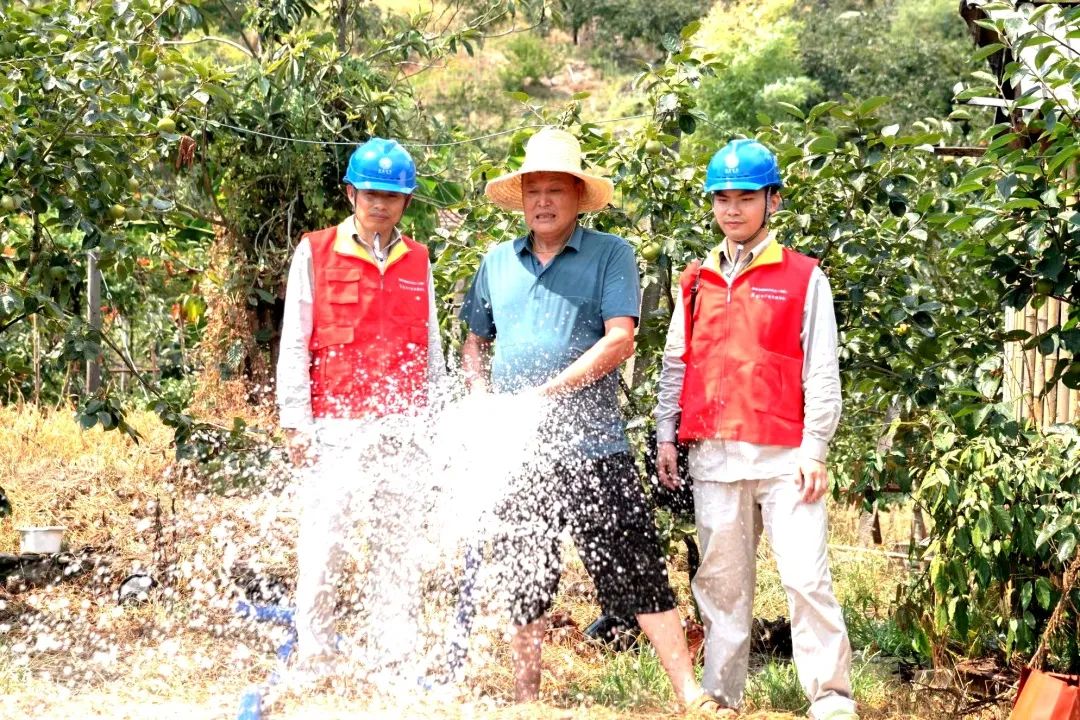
x=542 y=318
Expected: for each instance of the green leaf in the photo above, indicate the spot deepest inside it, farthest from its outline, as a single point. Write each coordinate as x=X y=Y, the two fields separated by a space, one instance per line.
x=689 y=30
x=822 y=144
x=1062 y=156
x=870 y=105
x=1043 y=592
x=792 y=110
x=986 y=51
x=1044 y=54
x=1025 y=203
x=1002 y=517
x=1067 y=548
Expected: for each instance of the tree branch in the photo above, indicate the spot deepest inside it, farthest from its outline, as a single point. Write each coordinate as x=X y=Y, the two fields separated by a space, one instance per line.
x=246 y=49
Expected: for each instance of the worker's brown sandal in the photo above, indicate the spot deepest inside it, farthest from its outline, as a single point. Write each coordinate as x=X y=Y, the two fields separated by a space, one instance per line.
x=705 y=706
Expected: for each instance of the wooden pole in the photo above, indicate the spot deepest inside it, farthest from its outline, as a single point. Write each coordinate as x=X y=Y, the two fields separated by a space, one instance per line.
x=1028 y=388
x=1013 y=387
x=1061 y=411
x=1053 y=318
x=93 y=318
x=1039 y=385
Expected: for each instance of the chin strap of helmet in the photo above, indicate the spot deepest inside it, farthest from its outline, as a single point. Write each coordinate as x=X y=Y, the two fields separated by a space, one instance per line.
x=765 y=217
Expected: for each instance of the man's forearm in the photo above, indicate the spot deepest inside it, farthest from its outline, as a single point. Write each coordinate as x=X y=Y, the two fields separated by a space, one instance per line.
x=436 y=362
x=293 y=374
x=822 y=401
x=606 y=355
x=476 y=361
x=672 y=374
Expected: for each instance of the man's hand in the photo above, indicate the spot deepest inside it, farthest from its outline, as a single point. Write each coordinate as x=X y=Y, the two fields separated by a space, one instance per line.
x=550 y=390
x=476 y=362
x=813 y=479
x=667 y=465
x=298 y=443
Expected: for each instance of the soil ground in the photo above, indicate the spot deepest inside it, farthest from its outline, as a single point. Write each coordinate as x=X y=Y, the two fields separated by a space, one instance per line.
x=70 y=650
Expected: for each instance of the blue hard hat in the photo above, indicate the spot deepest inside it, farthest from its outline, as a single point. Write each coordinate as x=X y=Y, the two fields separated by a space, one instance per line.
x=381 y=164
x=742 y=165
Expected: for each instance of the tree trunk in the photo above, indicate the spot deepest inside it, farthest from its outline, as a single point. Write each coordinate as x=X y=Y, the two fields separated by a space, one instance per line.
x=93 y=318
x=342 y=26
x=918 y=527
x=37 y=358
x=870 y=522
x=650 y=303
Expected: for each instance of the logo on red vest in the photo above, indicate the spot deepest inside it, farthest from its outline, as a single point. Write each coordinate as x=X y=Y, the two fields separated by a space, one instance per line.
x=770 y=294
x=412 y=285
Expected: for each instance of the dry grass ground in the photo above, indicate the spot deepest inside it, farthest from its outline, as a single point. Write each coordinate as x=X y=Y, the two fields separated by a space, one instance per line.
x=70 y=650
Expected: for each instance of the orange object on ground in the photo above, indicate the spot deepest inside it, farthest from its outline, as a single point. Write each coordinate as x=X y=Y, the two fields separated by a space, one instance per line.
x=1047 y=696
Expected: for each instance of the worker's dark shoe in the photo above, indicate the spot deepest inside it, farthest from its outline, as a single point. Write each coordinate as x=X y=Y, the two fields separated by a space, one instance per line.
x=617 y=633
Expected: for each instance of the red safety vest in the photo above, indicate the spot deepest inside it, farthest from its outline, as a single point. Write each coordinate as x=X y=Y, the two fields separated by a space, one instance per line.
x=743 y=354
x=369 y=339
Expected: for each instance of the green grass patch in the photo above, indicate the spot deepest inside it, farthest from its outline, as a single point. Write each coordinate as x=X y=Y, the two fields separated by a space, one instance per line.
x=880 y=636
x=776 y=687
x=633 y=679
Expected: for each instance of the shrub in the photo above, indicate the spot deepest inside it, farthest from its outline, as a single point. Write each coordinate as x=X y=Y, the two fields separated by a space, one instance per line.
x=1004 y=502
x=530 y=60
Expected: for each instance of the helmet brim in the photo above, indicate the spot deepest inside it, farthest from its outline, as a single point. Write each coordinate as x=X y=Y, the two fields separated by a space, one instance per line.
x=739 y=185
x=385 y=187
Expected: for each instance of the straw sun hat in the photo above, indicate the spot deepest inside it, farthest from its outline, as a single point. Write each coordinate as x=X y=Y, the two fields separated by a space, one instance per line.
x=551 y=150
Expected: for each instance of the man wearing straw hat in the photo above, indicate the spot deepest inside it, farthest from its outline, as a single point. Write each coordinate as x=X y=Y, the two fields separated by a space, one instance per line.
x=553 y=312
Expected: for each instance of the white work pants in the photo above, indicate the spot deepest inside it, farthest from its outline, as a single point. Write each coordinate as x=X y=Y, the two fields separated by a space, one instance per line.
x=372 y=479
x=730 y=516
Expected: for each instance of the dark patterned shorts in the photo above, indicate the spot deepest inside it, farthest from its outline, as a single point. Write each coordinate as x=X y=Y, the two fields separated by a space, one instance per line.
x=602 y=503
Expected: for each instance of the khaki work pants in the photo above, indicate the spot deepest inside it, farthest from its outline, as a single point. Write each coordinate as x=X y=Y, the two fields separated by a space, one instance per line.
x=730 y=517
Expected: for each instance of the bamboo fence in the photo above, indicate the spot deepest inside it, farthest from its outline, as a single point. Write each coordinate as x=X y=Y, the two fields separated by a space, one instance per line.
x=1026 y=371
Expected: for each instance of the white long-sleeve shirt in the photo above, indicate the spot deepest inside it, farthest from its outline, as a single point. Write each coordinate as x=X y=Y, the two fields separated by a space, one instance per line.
x=720 y=460
x=294 y=357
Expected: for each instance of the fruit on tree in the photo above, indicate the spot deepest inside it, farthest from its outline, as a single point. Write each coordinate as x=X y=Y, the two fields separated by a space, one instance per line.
x=651 y=251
